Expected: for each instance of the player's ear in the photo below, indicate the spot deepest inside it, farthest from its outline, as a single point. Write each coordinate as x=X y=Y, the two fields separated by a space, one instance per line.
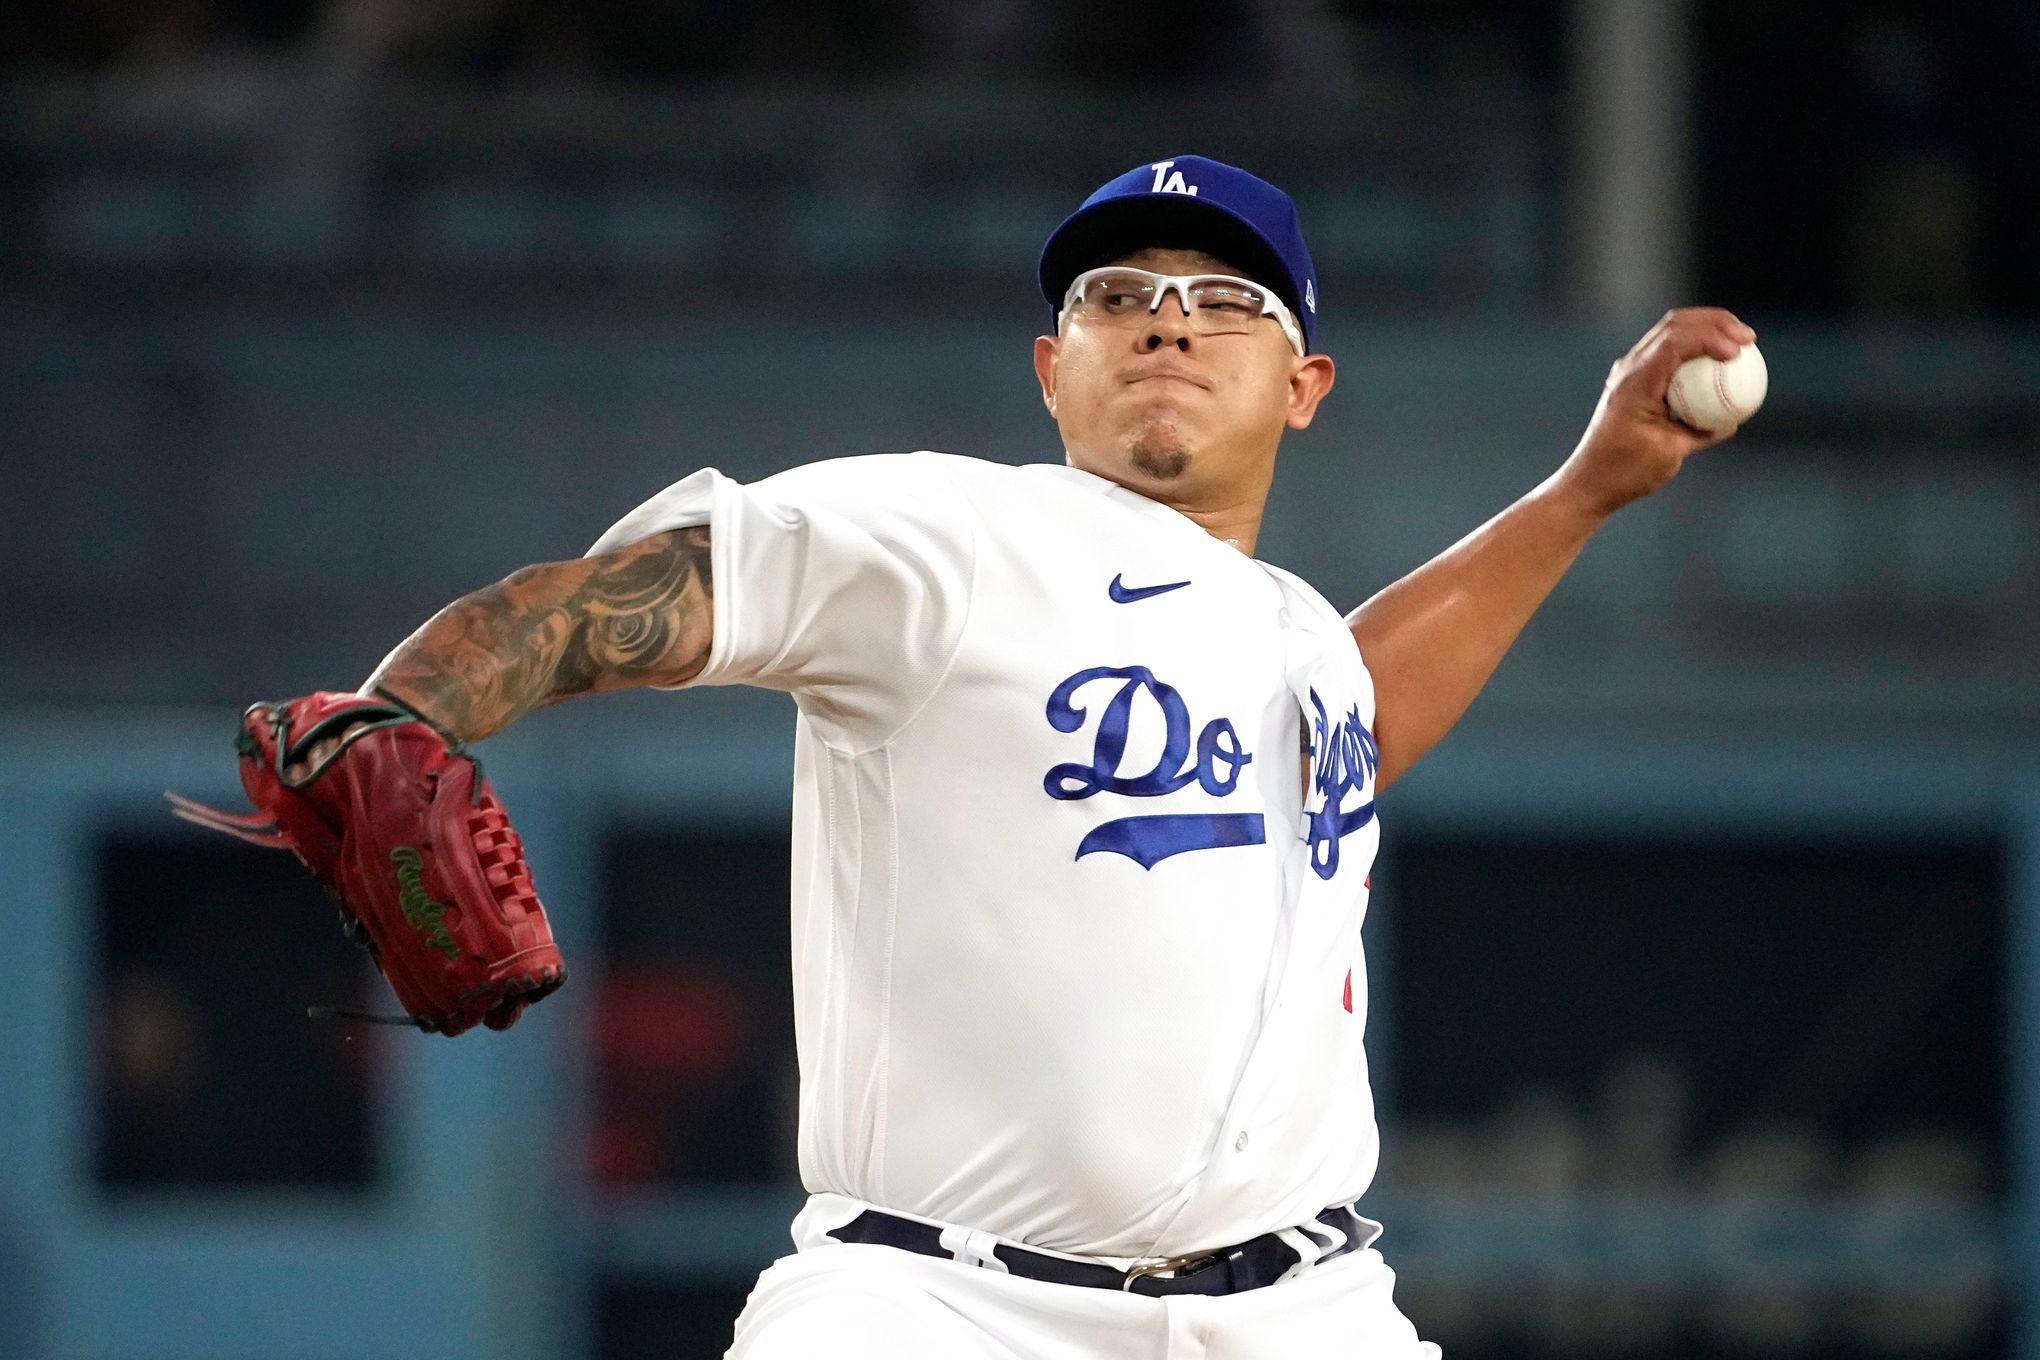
x=1046 y=352
x=1308 y=384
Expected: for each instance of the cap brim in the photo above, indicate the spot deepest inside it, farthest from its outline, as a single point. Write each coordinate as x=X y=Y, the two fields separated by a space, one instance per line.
x=1106 y=231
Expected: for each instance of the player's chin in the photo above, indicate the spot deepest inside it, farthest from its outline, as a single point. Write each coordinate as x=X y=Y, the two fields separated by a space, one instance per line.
x=1158 y=456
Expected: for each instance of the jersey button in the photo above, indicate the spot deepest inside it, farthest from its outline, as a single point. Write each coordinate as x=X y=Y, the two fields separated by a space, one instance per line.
x=1239 y=1144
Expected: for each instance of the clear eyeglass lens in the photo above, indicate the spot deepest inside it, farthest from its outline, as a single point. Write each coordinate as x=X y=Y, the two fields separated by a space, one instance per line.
x=1218 y=306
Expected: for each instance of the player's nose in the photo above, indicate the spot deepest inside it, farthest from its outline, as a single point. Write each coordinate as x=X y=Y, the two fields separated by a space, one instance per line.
x=1168 y=324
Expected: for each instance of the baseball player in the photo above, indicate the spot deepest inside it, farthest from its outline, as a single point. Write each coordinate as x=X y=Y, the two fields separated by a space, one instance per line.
x=1084 y=804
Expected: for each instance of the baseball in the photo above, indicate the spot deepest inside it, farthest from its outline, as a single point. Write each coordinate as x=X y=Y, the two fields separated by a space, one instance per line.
x=1715 y=396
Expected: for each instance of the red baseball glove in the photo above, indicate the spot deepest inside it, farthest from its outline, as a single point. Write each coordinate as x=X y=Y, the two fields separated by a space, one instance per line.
x=400 y=824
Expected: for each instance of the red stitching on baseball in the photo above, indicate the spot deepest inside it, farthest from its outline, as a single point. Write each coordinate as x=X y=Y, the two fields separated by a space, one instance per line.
x=1721 y=391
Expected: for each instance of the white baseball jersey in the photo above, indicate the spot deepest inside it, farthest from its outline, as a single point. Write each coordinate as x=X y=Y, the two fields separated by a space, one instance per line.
x=1076 y=942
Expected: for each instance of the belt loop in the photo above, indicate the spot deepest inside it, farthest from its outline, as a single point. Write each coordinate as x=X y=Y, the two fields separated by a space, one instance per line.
x=1306 y=1248
x=1340 y=1238
x=973 y=1248
x=1365 y=1231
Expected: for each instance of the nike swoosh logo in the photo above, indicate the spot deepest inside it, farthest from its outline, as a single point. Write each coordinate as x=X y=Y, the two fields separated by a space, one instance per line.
x=1122 y=593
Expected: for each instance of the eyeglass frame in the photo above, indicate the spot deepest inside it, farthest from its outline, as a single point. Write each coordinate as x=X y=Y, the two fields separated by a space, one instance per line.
x=1179 y=284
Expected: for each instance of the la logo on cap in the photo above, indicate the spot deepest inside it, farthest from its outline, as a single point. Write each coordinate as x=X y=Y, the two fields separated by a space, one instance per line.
x=1174 y=183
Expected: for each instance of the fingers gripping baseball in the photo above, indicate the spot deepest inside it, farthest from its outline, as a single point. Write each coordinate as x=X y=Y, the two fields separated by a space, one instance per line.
x=1633 y=444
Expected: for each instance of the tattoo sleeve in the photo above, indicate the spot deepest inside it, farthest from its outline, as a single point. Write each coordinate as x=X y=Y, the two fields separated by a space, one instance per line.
x=643 y=615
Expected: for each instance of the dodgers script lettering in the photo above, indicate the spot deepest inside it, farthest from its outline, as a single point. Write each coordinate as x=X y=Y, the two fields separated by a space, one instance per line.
x=1343 y=760
x=1215 y=767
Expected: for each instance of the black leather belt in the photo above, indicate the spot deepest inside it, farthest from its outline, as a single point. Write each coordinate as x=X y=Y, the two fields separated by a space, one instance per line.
x=1228 y=1270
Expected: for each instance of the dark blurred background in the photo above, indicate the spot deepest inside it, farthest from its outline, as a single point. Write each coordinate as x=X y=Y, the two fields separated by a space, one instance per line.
x=1706 y=955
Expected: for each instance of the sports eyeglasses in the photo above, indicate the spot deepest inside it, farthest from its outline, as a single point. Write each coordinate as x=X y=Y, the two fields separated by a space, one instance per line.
x=1217 y=304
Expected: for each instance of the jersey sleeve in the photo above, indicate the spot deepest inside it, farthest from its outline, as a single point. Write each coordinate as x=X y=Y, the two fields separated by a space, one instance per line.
x=845 y=583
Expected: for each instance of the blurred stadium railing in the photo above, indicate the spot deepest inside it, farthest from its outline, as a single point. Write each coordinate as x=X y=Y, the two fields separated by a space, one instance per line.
x=220 y=503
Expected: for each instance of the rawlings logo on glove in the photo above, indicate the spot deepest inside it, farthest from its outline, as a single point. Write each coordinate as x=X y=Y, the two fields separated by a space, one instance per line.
x=426 y=916
x=397 y=820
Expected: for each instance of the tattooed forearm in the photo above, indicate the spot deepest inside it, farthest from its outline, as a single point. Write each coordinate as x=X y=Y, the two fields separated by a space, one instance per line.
x=643 y=615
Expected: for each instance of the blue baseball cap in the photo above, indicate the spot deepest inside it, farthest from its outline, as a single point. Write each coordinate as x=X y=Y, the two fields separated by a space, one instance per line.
x=1190 y=203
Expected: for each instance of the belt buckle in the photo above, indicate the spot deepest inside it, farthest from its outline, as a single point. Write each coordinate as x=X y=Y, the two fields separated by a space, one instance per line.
x=1173 y=1263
